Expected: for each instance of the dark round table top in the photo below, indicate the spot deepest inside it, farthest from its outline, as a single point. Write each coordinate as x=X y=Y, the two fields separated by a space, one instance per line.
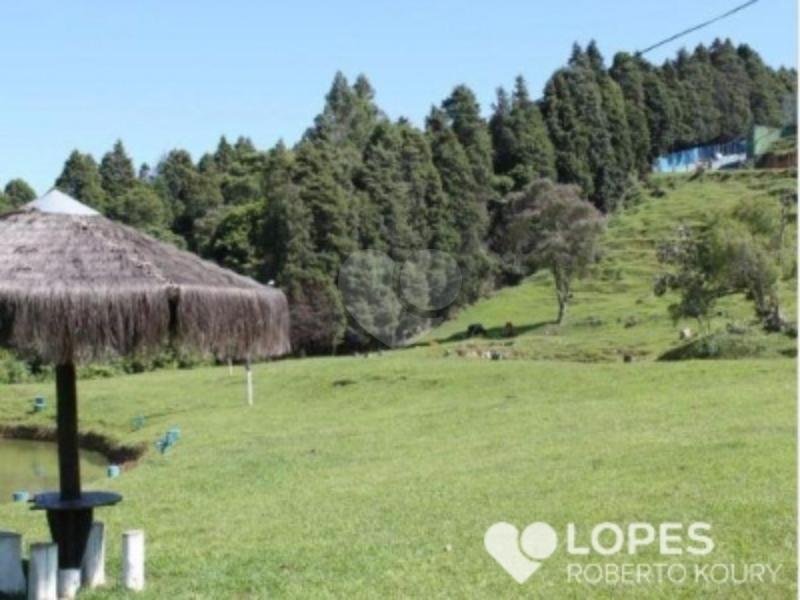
x=53 y=501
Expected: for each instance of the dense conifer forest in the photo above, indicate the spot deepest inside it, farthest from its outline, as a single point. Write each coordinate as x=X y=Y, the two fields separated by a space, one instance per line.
x=358 y=180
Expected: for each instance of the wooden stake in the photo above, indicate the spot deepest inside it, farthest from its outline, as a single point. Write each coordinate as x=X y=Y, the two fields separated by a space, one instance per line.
x=42 y=572
x=133 y=560
x=12 y=579
x=93 y=570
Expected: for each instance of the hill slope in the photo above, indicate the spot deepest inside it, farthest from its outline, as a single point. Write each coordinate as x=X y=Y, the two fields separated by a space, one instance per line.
x=614 y=311
x=377 y=477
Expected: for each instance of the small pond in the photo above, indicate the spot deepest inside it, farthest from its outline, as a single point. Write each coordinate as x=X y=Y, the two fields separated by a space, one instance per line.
x=33 y=466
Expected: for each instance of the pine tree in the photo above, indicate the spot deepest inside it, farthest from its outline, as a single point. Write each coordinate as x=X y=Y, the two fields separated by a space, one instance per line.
x=701 y=112
x=568 y=131
x=660 y=114
x=189 y=194
x=430 y=211
x=523 y=150
x=766 y=90
x=731 y=90
x=627 y=72
x=464 y=118
x=467 y=197
x=116 y=171
x=80 y=179
x=504 y=141
x=387 y=195
x=349 y=114
x=579 y=125
x=322 y=175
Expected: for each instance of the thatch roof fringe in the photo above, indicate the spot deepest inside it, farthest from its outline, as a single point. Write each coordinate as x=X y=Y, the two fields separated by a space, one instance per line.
x=82 y=288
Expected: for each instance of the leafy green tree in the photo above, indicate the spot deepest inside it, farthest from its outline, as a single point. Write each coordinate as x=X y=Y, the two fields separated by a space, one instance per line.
x=713 y=262
x=116 y=171
x=141 y=207
x=552 y=227
x=17 y=192
x=233 y=243
x=80 y=178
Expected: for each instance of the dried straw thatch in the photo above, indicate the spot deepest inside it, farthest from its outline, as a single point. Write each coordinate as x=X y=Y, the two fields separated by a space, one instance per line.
x=75 y=286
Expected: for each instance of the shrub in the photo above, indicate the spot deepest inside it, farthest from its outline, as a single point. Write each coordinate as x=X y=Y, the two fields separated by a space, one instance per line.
x=717 y=345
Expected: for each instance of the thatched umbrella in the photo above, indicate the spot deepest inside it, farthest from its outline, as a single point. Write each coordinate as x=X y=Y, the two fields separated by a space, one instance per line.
x=75 y=286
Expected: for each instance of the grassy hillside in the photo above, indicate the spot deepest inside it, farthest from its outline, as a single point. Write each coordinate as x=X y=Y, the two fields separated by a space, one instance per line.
x=614 y=311
x=377 y=476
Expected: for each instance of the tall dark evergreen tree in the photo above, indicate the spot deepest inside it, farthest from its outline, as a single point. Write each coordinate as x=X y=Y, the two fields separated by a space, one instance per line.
x=731 y=90
x=189 y=194
x=522 y=148
x=627 y=72
x=117 y=174
x=467 y=198
x=80 y=178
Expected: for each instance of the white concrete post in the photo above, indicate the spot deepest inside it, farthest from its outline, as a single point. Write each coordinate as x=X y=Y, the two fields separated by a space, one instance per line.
x=69 y=582
x=230 y=367
x=93 y=569
x=249 y=369
x=12 y=579
x=42 y=572
x=133 y=560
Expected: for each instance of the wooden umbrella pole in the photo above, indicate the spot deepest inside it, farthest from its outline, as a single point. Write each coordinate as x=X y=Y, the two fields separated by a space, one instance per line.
x=69 y=467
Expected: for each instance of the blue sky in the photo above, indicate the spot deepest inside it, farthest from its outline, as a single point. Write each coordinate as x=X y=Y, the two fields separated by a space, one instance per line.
x=168 y=74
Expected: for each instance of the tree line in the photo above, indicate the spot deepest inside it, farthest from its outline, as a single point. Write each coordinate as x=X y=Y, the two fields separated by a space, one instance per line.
x=358 y=180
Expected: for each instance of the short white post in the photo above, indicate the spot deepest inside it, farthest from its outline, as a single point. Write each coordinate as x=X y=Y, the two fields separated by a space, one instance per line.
x=133 y=560
x=249 y=369
x=93 y=569
x=69 y=582
x=42 y=572
x=230 y=367
x=12 y=579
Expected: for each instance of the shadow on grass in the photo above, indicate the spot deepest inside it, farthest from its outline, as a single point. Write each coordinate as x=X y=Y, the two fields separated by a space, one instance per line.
x=492 y=333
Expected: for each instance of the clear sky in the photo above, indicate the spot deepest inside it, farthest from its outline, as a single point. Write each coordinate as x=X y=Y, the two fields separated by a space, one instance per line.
x=179 y=73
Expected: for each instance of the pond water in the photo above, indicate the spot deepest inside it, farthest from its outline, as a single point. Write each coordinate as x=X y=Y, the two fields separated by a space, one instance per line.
x=33 y=466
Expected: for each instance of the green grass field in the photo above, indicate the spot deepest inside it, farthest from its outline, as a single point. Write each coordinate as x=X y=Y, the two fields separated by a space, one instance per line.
x=377 y=476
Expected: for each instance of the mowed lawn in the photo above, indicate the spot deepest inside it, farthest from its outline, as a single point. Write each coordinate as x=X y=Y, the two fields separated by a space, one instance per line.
x=377 y=477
